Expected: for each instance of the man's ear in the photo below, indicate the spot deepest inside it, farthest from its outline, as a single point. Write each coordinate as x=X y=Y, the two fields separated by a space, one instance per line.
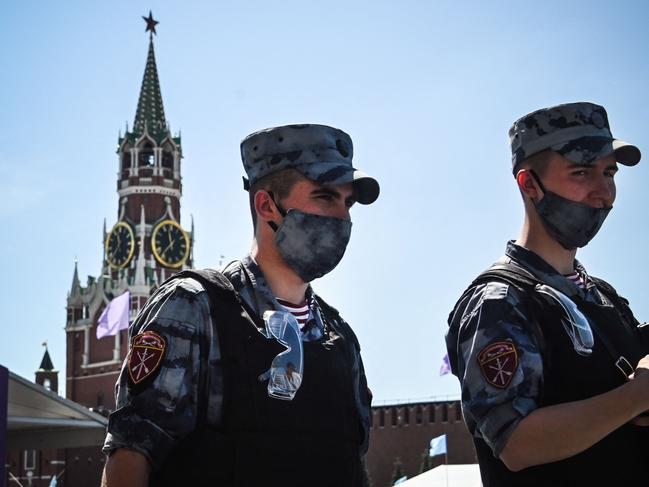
x=528 y=185
x=265 y=206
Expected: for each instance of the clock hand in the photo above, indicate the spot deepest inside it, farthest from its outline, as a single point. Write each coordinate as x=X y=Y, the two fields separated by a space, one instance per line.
x=168 y=247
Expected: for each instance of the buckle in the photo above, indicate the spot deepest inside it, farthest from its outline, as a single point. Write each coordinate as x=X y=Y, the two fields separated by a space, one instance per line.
x=624 y=366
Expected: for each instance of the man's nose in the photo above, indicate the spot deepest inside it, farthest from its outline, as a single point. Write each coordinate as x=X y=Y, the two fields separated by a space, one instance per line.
x=343 y=213
x=604 y=192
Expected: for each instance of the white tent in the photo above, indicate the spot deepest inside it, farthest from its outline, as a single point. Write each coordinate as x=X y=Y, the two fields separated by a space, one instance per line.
x=447 y=475
x=38 y=418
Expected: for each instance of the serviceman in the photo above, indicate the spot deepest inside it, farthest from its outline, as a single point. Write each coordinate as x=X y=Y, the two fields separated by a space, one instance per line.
x=202 y=398
x=552 y=363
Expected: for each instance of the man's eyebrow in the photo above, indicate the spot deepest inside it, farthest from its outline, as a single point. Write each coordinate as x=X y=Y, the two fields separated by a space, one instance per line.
x=574 y=165
x=329 y=191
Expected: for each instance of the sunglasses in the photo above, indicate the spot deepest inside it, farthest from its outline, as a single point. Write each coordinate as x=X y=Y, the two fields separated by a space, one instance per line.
x=574 y=321
x=285 y=373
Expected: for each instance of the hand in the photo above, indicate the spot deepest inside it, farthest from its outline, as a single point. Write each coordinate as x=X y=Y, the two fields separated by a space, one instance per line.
x=642 y=369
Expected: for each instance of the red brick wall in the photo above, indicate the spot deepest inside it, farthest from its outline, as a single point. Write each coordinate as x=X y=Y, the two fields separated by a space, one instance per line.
x=405 y=433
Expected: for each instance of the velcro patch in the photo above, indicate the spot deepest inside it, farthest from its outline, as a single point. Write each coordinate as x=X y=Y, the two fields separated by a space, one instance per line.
x=147 y=350
x=498 y=362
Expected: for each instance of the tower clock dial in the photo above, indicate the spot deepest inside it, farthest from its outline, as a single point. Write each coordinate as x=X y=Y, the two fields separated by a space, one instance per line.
x=170 y=244
x=120 y=245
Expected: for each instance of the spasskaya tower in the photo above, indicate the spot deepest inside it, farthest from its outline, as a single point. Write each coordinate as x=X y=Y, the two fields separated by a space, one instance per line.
x=145 y=245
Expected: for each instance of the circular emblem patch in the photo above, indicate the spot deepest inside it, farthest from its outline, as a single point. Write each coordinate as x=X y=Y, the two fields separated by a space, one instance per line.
x=598 y=120
x=147 y=351
x=498 y=362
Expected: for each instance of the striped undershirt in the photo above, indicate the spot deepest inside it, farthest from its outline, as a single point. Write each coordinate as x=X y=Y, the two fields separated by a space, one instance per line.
x=577 y=279
x=301 y=311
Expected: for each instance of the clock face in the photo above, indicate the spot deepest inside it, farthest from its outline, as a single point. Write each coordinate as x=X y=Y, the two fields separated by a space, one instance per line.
x=120 y=245
x=170 y=244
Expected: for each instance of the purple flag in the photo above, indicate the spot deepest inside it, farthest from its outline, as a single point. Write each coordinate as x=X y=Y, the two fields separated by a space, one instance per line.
x=115 y=316
x=446 y=366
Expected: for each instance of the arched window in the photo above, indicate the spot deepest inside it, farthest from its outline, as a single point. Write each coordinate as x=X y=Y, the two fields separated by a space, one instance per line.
x=146 y=157
x=126 y=160
x=381 y=418
x=168 y=156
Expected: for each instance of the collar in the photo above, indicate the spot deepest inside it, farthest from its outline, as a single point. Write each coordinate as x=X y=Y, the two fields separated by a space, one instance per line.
x=549 y=275
x=251 y=285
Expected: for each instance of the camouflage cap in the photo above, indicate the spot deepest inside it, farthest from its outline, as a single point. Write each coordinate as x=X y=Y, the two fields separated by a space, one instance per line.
x=321 y=153
x=578 y=131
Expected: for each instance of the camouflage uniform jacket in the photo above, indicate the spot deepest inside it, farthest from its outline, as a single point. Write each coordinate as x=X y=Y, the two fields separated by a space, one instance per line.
x=154 y=416
x=492 y=313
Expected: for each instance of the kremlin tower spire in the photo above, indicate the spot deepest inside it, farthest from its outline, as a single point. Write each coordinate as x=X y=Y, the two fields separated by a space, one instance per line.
x=150 y=114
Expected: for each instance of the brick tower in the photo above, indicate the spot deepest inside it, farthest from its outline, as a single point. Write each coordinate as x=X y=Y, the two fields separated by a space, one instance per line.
x=146 y=245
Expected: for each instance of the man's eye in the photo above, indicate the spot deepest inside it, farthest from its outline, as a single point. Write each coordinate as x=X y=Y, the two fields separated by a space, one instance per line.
x=580 y=172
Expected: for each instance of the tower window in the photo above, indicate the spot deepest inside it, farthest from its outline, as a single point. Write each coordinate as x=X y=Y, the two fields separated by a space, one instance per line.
x=146 y=157
x=167 y=159
x=47 y=384
x=126 y=161
x=30 y=459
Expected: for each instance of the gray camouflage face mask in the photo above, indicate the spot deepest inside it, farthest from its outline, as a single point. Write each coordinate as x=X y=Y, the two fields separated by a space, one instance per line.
x=312 y=245
x=570 y=223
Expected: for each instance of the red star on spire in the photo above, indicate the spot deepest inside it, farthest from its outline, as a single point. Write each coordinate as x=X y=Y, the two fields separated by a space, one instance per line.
x=150 y=23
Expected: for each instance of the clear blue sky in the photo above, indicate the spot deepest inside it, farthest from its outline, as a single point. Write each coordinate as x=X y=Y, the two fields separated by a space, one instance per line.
x=426 y=89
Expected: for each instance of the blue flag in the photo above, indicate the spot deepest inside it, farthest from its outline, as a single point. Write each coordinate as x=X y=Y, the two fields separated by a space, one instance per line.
x=438 y=446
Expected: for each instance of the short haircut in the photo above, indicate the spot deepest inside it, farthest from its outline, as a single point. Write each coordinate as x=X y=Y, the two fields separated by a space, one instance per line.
x=538 y=163
x=280 y=183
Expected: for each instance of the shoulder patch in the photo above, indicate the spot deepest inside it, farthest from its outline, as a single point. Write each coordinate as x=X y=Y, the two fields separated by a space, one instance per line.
x=498 y=361
x=147 y=351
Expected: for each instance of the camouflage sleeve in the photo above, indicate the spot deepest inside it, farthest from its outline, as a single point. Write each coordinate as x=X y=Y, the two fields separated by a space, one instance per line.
x=498 y=362
x=156 y=404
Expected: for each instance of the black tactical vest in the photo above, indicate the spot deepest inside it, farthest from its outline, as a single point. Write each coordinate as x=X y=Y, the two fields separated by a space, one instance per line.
x=313 y=440
x=622 y=457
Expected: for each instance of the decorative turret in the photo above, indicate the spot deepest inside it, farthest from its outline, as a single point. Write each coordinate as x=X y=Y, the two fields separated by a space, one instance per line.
x=46 y=375
x=74 y=297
